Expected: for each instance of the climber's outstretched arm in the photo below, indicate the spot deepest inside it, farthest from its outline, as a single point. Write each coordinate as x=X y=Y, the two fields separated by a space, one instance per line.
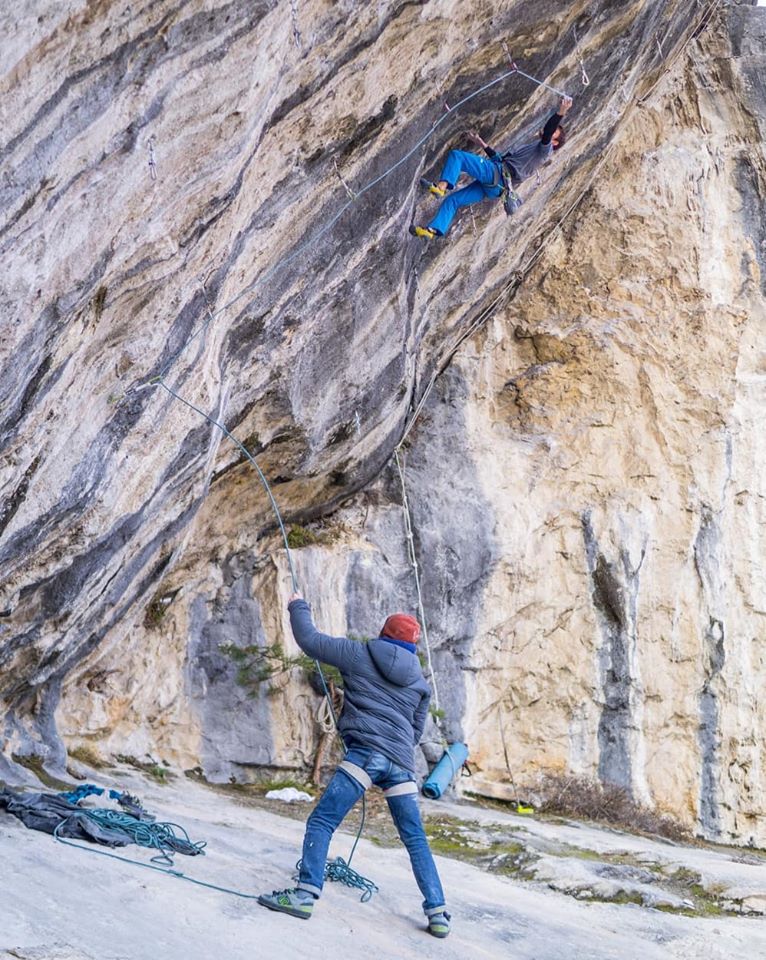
x=554 y=121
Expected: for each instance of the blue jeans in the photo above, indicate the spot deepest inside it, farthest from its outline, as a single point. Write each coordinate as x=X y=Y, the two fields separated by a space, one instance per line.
x=483 y=171
x=360 y=768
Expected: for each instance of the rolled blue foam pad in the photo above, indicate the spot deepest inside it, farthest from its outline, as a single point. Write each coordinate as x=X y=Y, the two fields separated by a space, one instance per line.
x=445 y=770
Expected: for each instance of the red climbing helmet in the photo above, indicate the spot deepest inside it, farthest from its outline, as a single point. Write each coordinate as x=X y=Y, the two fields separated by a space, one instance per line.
x=401 y=626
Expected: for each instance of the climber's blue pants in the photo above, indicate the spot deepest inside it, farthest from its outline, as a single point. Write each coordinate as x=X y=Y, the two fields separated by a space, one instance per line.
x=483 y=173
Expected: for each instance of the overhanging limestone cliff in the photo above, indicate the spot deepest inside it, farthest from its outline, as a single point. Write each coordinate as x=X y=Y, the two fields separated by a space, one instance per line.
x=184 y=146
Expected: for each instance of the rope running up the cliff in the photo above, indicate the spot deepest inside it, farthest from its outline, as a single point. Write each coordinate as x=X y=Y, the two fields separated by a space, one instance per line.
x=508 y=290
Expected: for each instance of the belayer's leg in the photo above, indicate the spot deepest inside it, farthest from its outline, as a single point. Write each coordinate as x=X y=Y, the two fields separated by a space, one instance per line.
x=403 y=804
x=340 y=796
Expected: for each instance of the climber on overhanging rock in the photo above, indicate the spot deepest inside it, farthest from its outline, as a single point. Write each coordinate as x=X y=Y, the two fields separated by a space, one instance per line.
x=385 y=706
x=493 y=178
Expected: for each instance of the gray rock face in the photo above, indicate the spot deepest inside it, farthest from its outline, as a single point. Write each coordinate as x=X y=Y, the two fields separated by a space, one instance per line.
x=176 y=204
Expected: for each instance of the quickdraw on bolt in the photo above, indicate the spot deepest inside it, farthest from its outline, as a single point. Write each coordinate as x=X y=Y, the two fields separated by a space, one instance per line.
x=510 y=58
x=346 y=187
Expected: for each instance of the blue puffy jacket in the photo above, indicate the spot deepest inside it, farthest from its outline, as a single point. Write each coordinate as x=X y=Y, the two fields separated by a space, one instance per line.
x=386 y=696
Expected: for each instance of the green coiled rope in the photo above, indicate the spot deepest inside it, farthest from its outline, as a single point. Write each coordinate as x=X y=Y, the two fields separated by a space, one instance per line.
x=170 y=838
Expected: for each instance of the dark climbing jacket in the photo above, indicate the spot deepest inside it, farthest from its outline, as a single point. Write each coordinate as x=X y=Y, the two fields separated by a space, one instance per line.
x=386 y=696
x=518 y=163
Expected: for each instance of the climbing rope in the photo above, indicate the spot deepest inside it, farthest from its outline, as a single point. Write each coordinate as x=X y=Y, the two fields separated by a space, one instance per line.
x=540 y=83
x=507 y=292
x=170 y=838
x=246 y=453
x=165 y=838
x=509 y=289
x=416 y=573
x=341 y=872
x=211 y=315
x=168 y=871
x=339 y=868
x=697 y=27
x=325 y=718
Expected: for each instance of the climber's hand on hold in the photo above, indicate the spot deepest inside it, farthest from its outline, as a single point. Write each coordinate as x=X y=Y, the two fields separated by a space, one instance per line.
x=294 y=596
x=474 y=137
x=564 y=105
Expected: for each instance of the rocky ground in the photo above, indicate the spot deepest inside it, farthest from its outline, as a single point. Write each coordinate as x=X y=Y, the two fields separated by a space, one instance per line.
x=521 y=886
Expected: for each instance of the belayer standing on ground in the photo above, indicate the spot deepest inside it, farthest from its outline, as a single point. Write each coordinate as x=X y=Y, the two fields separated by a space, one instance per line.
x=493 y=178
x=385 y=707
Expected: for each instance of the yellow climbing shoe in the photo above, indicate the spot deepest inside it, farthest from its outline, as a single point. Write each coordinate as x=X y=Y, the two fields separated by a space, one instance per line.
x=425 y=232
x=432 y=188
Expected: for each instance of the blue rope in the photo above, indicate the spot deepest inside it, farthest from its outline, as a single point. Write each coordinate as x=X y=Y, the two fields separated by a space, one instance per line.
x=165 y=838
x=151 y=866
x=338 y=870
x=169 y=838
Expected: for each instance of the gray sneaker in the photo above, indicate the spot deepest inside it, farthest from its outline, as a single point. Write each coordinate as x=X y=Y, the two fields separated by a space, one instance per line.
x=438 y=924
x=298 y=903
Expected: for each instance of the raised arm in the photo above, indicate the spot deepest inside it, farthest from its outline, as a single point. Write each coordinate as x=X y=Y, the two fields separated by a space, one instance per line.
x=555 y=119
x=337 y=651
